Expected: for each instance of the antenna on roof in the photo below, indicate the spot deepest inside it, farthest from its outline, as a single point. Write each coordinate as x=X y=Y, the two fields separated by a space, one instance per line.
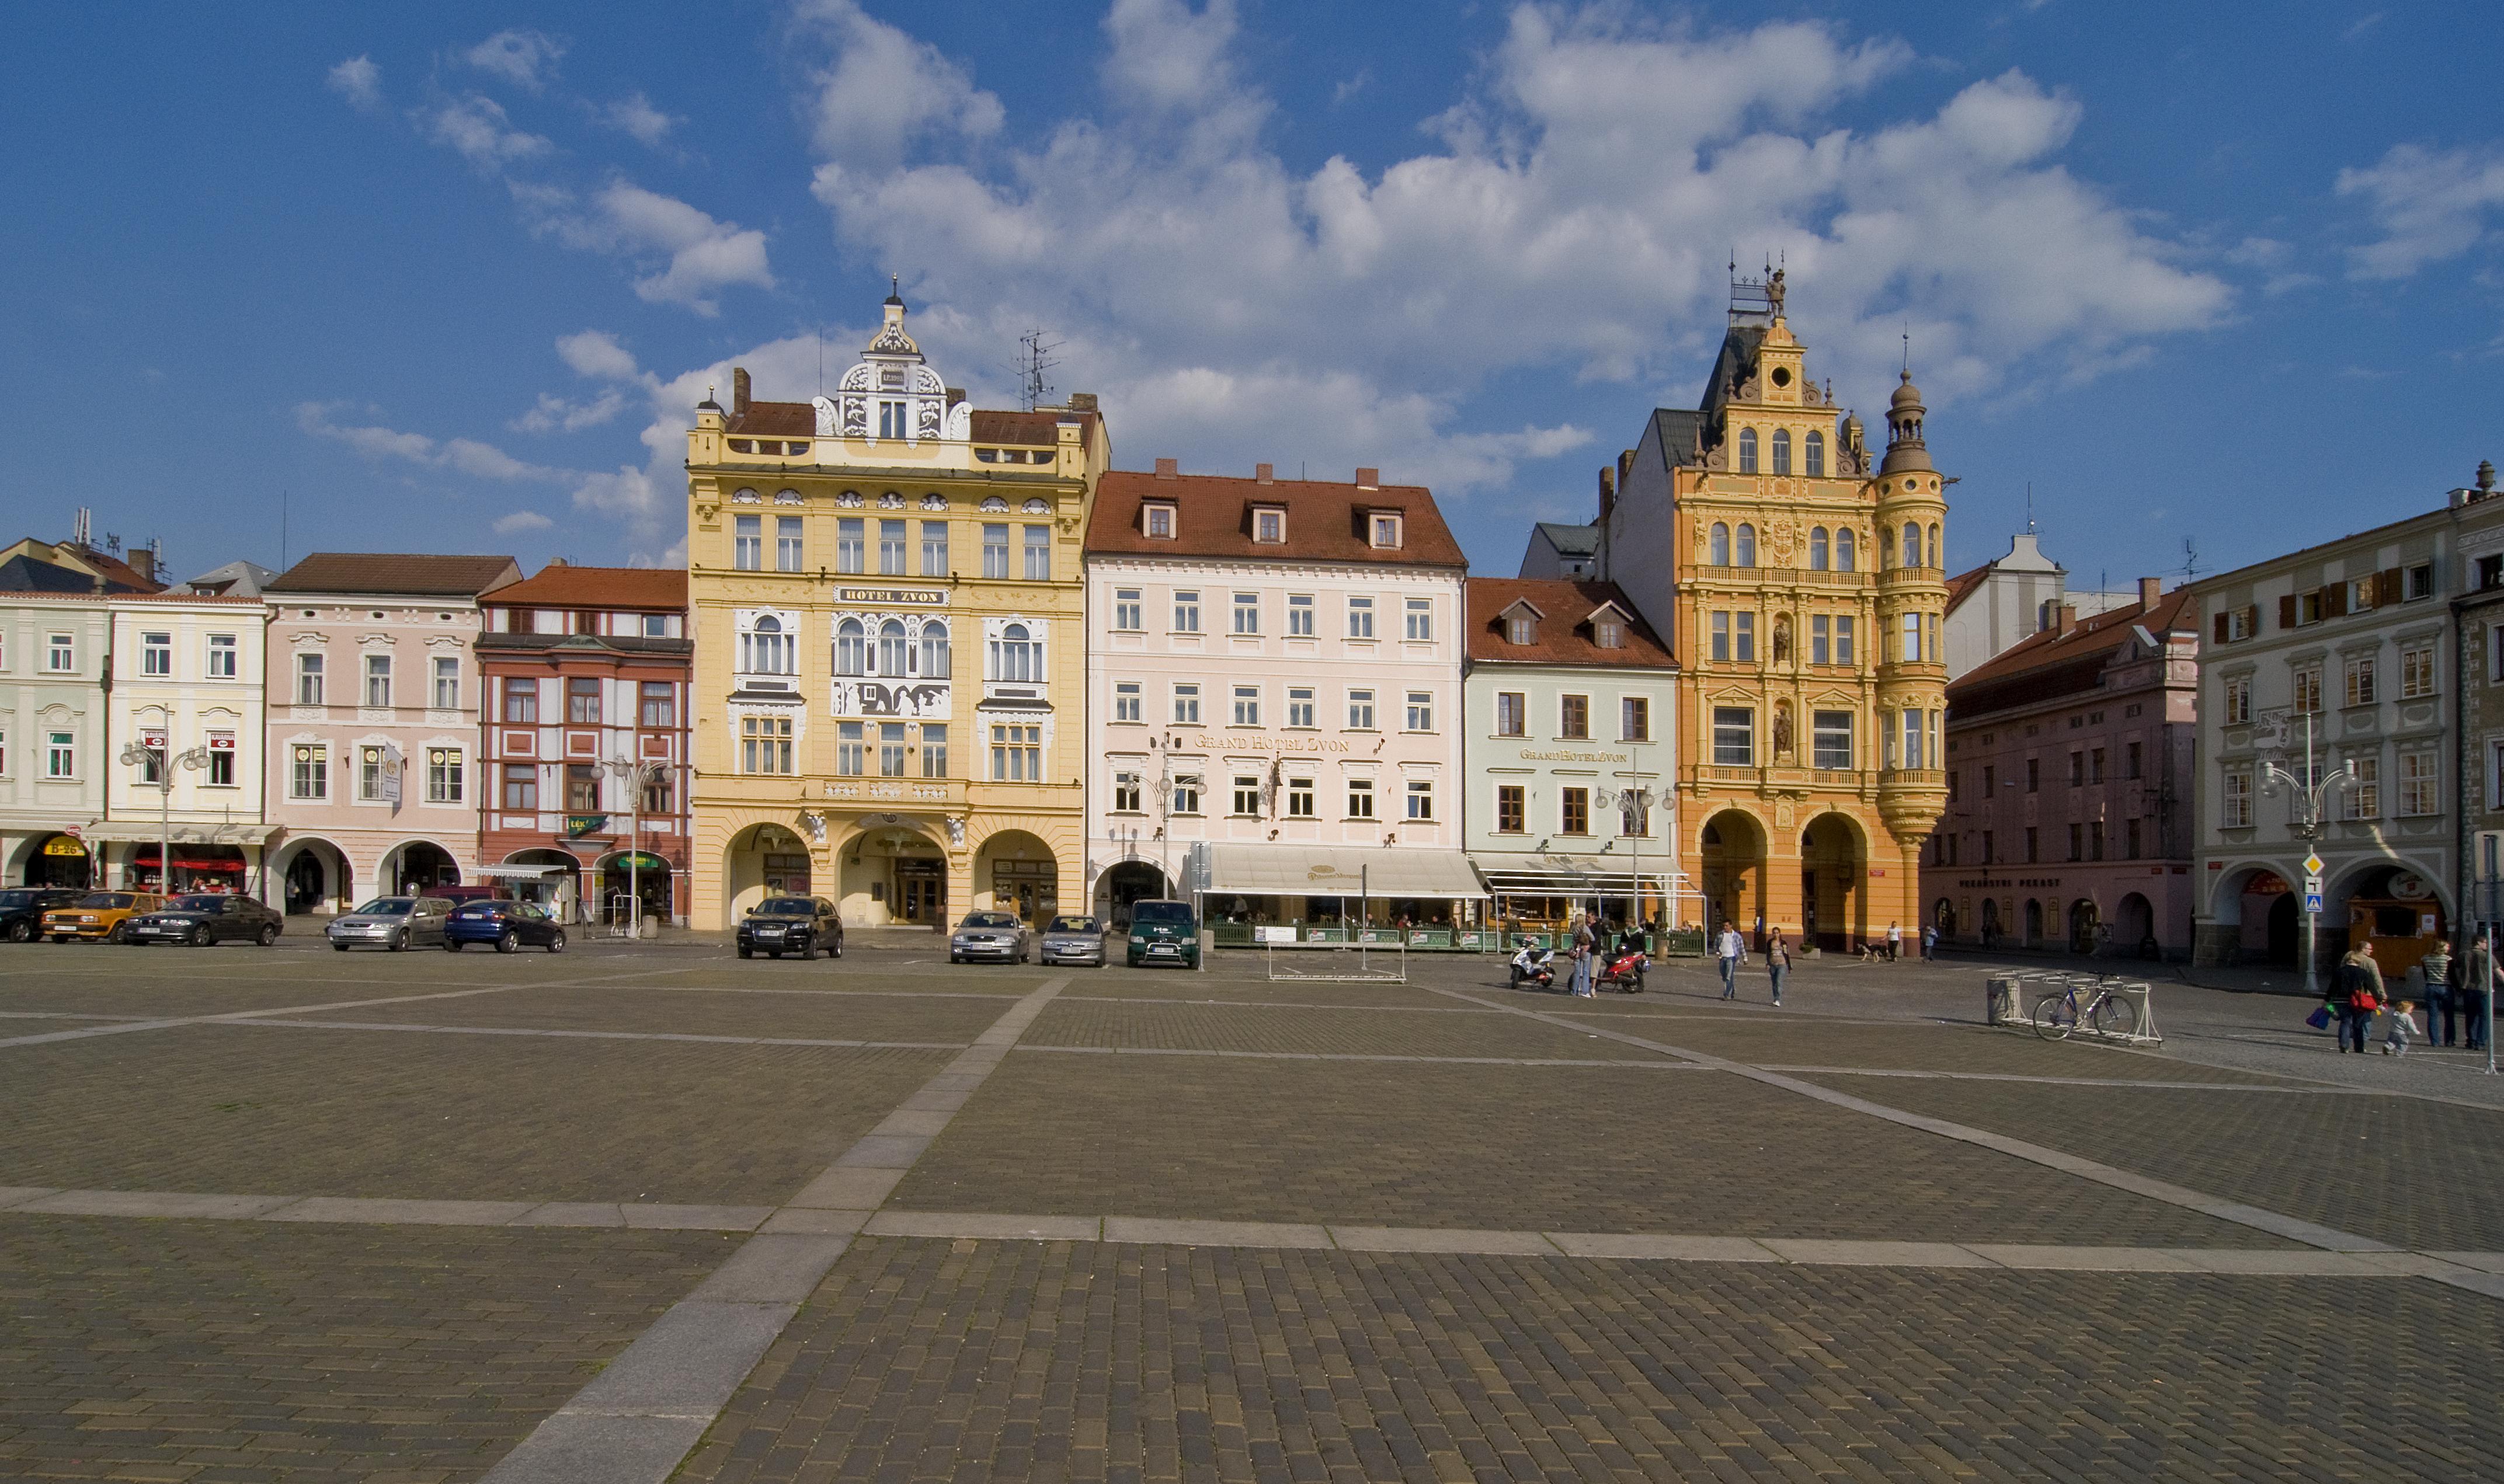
x=2190 y=560
x=112 y=544
x=1908 y=347
x=2030 y=507
x=1032 y=389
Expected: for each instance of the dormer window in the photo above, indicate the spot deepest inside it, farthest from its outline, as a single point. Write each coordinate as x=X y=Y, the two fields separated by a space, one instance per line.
x=1157 y=520
x=1608 y=633
x=1521 y=628
x=1270 y=526
x=1384 y=529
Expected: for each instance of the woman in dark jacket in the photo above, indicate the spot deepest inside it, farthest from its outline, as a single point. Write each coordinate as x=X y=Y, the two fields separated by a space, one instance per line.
x=2358 y=993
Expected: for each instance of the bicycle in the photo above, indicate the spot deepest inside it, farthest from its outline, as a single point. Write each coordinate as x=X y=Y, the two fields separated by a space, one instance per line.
x=2107 y=1012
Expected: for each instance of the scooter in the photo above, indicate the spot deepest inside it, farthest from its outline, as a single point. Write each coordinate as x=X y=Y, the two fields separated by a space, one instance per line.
x=1623 y=971
x=1534 y=966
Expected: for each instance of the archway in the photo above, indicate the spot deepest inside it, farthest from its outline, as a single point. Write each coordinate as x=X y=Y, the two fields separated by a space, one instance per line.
x=1991 y=921
x=2083 y=920
x=894 y=871
x=1731 y=847
x=196 y=868
x=2033 y=923
x=2395 y=907
x=57 y=860
x=1943 y=918
x=1015 y=872
x=416 y=867
x=2134 y=927
x=314 y=877
x=1125 y=882
x=760 y=861
x=639 y=873
x=1834 y=869
x=2253 y=917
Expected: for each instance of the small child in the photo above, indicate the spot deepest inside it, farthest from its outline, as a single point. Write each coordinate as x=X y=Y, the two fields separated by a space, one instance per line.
x=2401 y=1027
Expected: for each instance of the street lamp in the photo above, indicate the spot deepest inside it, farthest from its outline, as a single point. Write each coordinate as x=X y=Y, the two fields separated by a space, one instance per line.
x=632 y=776
x=139 y=754
x=2305 y=797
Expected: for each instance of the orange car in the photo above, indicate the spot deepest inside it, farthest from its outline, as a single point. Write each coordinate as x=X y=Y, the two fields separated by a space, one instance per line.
x=102 y=915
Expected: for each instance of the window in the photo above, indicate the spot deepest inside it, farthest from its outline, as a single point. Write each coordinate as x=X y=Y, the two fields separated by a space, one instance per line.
x=852 y=647
x=2132 y=757
x=1247 y=795
x=2360 y=680
x=1421 y=801
x=1299 y=798
x=2077 y=768
x=1016 y=657
x=1186 y=705
x=1421 y=710
x=1913 y=556
x=766 y=651
x=1912 y=729
x=1511 y=714
x=582 y=701
x=1911 y=652
x=1813 y=450
x=1125 y=700
x=1747 y=450
x=656 y=626
x=1360 y=618
x=2077 y=842
x=891 y=749
x=1186 y=793
x=221 y=656
x=1160 y=521
x=2239 y=700
x=1817 y=547
x=150 y=761
x=1386 y=531
x=2365 y=795
x=1186 y=612
x=156 y=654
x=1360 y=797
x=1300 y=615
x=522 y=702
x=1744 y=637
x=378 y=679
x=937 y=662
x=2096 y=766
x=1634 y=814
x=1247 y=612
x=1038 y=553
x=1717 y=545
x=60 y=653
x=1843 y=559
x=1269 y=526
x=1299 y=706
x=2235 y=799
x=1734 y=737
x=2308 y=688
x=995 y=549
x=447 y=683
x=891 y=545
x=583 y=789
x=1421 y=615
x=2416 y=672
x=660 y=704
x=443 y=774
x=1360 y=710
x=2034 y=775
x=747 y=543
x=1126 y=609
x=2418 y=582
x=2421 y=787
x=1721 y=651
x=1843 y=638
x=1247 y=705
x=2095 y=840
x=934 y=548
x=787 y=544
x=2034 y=845
x=371 y=768
x=1830 y=739
x=61 y=756
x=222 y=762
x=1744 y=549
x=892 y=420
x=1574 y=811
x=849 y=748
x=1820 y=640
x=1990 y=783
x=521 y=788
x=1574 y=717
x=1511 y=812
x=1606 y=633
x=894 y=650
x=1125 y=793
x=1782 y=451
x=765 y=744
x=934 y=750
x=309 y=680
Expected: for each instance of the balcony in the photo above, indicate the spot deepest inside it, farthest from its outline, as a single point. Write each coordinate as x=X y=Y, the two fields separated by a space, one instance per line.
x=1913 y=778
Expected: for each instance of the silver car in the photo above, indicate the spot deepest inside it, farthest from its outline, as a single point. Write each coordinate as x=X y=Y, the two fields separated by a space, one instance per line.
x=1074 y=940
x=997 y=936
x=392 y=922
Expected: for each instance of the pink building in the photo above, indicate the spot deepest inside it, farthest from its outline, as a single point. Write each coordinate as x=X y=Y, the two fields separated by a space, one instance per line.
x=2069 y=761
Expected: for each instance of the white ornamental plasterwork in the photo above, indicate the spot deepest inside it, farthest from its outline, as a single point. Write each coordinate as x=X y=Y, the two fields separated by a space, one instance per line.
x=827 y=416
x=377 y=640
x=310 y=638
x=446 y=642
x=746 y=498
x=994 y=503
x=848 y=500
x=890 y=500
x=934 y=501
x=1038 y=506
x=894 y=341
x=861 y=698
x=960 y=422
x=786 y=498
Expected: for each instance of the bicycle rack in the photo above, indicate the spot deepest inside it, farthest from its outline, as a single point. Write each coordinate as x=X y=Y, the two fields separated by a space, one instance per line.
x=2011 y=998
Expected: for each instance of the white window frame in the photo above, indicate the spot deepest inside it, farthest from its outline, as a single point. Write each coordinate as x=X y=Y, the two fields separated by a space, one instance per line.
x=223 y=657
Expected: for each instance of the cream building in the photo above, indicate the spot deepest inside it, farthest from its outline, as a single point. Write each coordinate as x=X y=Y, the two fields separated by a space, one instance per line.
x=187 y=678
x=891 y=646
x=53 y=651
x=1274 y=698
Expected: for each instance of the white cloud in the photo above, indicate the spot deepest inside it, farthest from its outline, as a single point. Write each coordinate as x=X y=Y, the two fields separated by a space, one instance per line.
x=2274 y=261
x=480 y=130
x=597 y=354
x=558 y=414
x=522 y=520
x=524 y=59
x=2428 y=206
x=465 y=456
x=358 y=80
x=635 y=115
x=883 y=91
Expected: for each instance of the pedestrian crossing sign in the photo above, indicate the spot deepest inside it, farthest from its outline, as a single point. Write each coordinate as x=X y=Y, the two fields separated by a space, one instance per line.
x=2312 y=901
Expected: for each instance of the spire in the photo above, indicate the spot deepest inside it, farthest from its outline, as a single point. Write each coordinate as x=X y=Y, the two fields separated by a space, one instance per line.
x=896 y=290
x=1904 y=415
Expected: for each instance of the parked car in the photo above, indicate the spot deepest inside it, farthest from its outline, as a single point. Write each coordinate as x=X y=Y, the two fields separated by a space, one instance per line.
x=508 y=925
x=102 y=916
x=994 y=935
x=205 y=919
x=21 y=911
x=802 y=926
x=1074 y=940
x=391 y=922
x=1164 y=932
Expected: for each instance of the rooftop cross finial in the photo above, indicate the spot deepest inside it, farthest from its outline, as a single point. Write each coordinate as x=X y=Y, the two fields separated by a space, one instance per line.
x=1908 y=347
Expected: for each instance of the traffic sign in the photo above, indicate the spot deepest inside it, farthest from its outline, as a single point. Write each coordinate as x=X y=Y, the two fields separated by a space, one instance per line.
x=2312 y=885
x=2312 y=864
x=2312 y=901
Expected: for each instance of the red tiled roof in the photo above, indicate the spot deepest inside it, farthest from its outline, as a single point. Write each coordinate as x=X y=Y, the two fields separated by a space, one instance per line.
x=1961 y=586
x=1564 y=637
x=2093 y=635
x=775 y=420
x=639 y=588
x=394 y=572
x=1213 y=518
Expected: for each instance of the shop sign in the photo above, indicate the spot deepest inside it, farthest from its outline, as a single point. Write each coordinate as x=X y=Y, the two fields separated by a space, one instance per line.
x=579 y=825
x=896 y=597
x=62 y=845
x=641 y=860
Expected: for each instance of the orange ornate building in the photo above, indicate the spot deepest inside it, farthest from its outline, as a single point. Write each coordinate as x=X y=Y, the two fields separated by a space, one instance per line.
x=1798 y=574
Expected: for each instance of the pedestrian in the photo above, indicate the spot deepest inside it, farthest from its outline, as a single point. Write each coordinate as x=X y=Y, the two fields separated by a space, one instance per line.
x=1929 y=942
x=1582 y=946
x=1778 y=964
x=1729 y=952
x=2358 y=993
x=2401 y=1029
x=2472 y=990
x=2440 y=1019
x=1894 y=942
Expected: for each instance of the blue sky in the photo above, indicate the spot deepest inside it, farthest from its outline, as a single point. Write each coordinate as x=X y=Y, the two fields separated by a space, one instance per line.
x=451 y=276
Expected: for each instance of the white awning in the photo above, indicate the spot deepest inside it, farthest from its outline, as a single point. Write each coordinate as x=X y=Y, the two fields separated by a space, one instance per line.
x=520 y=873
x=131 y=831
x=1549 y=873
x=1325 y=871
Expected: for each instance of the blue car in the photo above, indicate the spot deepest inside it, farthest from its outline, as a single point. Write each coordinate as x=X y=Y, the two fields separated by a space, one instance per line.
x=508 y=925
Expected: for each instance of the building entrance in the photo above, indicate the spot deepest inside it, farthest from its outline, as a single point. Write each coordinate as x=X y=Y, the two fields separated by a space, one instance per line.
x=922 y=890
x=787 y=874
x=1027 y=887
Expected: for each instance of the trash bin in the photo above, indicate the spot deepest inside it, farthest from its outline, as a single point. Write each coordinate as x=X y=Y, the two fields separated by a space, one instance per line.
x=2000 y=1002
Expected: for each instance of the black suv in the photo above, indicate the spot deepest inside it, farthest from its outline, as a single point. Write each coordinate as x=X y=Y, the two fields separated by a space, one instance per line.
x=23 y=908
x=802 y=926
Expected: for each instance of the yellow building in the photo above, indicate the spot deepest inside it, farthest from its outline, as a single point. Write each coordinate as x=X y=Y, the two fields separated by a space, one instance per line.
x=890 y=649
x=1800 y=581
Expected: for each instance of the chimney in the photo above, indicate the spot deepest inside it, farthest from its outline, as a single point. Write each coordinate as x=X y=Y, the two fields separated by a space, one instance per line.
x=1168 y=469
x=956 y=395
x=1082 y=401
x=739 y=391
x=1264 y=474
x=2150 y=589
x=2068 y=620
x=1607 y=492
x=1369 y=478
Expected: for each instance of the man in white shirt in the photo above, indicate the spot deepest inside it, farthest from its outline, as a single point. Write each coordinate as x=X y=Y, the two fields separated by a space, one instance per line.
x=1731 y=950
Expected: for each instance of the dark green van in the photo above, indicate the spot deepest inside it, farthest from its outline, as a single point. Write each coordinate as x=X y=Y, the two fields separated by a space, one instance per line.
x=1164 y=932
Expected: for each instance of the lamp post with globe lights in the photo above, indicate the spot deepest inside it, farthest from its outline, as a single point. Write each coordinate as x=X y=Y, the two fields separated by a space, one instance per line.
x=140 y=754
